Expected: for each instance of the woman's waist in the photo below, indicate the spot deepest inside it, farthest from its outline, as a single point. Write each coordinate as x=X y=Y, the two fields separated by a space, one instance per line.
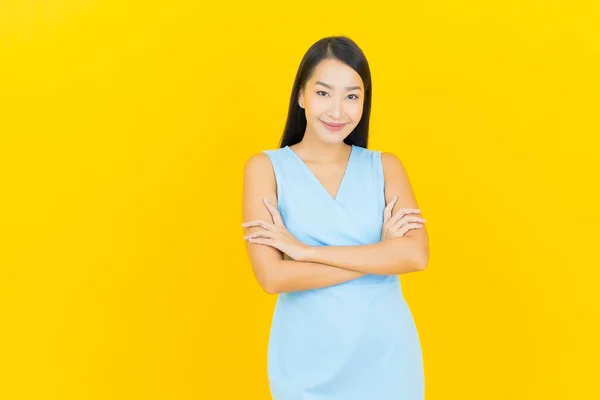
x=373 y=279
x=341 y=308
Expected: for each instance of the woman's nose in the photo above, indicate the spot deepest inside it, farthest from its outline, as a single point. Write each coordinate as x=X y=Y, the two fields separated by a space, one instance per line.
x=336 y=109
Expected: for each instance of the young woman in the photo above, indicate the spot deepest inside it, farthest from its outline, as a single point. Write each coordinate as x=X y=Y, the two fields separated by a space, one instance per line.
x=329 y=227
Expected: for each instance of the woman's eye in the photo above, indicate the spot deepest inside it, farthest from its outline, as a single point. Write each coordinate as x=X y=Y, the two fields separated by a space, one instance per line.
x=321 y=91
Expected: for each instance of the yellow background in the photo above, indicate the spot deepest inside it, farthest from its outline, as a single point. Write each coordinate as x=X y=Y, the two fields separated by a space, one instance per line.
x=124 y=127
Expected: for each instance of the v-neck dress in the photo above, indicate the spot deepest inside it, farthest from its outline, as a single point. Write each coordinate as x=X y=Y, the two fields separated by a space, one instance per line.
x=356 y=340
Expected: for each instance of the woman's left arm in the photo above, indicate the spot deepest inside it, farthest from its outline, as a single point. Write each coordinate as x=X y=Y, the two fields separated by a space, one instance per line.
x=394 y=256
x=398 y=255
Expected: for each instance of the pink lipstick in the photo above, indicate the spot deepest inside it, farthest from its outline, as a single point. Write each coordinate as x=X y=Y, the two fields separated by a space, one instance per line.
x=333 y=127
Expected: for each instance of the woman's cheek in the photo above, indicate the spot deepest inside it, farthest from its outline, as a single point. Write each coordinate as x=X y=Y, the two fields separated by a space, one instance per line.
x=357 y=112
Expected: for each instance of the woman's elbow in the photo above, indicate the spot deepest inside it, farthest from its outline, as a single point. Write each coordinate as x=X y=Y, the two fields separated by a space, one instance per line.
x=264 y=273
x=269 y=288
x=422 y=260
x=268 y=283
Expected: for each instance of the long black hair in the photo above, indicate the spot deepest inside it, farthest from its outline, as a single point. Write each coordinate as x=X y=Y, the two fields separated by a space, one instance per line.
x=341 y=48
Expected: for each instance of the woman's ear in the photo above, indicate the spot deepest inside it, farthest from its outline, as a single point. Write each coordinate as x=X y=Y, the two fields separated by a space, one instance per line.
x=301 y=98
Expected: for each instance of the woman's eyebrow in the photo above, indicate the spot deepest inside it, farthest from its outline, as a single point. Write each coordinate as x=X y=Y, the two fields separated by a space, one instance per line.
x=331 y=87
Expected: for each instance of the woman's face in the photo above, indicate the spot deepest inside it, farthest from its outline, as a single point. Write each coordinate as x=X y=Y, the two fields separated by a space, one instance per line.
x=334 y=94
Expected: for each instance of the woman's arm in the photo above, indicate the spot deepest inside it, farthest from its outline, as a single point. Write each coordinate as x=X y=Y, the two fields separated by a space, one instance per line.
x=273 y=273
x=394 y=256
x=398 y=255
x=292 y=275
x=329 y=265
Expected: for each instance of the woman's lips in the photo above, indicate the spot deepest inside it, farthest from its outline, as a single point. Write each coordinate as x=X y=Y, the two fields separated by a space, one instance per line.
x=334 y=127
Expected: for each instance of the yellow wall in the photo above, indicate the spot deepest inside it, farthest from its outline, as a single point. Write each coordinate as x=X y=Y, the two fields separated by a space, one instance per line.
x=123 y=132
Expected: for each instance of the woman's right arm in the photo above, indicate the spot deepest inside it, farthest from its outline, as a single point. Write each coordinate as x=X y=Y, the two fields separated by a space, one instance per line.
x=273 y=273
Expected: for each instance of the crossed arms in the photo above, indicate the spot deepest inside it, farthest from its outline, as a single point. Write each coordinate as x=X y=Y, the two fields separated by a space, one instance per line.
x=329 y=265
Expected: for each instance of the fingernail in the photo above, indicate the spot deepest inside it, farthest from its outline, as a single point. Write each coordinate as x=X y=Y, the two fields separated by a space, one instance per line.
x=266 y=200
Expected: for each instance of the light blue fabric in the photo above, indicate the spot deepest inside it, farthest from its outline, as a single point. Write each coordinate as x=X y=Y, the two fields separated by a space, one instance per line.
x=356 y=340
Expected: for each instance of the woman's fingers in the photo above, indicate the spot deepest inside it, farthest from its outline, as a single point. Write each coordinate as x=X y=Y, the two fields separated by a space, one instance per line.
x=401 y=213
x=405 y=220
x=277 y=220
x=402 y=231
x=387 y=213
x=267 y=225
x=255 y=240
x=263 y=234
x=408 y=227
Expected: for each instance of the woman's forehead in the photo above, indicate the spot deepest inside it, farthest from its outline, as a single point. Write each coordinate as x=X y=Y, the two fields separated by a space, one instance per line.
x=336 y=75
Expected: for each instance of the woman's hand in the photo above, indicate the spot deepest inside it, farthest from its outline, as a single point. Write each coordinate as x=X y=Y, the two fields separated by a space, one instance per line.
x=276 y=235
x=401 y=222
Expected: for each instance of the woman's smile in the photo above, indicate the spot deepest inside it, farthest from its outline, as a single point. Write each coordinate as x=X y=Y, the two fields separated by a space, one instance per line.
x=332 y=126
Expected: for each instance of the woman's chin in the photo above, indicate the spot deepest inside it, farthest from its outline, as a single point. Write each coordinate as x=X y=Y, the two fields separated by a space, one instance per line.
x=332 y=139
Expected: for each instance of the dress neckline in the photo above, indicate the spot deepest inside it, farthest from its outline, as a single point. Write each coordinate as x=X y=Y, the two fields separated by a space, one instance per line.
x=318 y=182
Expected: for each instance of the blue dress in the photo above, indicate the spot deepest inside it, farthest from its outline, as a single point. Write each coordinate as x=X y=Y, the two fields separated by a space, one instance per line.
x=356 y=340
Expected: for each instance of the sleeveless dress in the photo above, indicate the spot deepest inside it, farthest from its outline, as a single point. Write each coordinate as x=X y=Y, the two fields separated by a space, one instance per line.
x=355 y=340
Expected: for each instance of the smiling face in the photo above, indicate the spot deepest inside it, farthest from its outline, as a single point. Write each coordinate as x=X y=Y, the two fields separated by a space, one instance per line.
x=333 y=101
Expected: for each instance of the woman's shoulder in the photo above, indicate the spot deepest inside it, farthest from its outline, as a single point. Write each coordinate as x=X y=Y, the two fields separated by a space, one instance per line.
x=369 y=155
x=389 y=161
x=272 y=151
x=262 y=161
x=259 y=169
x=393 y=167
x=390 y=158
x=365 y=150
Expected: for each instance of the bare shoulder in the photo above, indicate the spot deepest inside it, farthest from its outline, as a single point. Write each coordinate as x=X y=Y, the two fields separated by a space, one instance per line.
x=390 y=160
x=258 y=163
x=259 y=182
